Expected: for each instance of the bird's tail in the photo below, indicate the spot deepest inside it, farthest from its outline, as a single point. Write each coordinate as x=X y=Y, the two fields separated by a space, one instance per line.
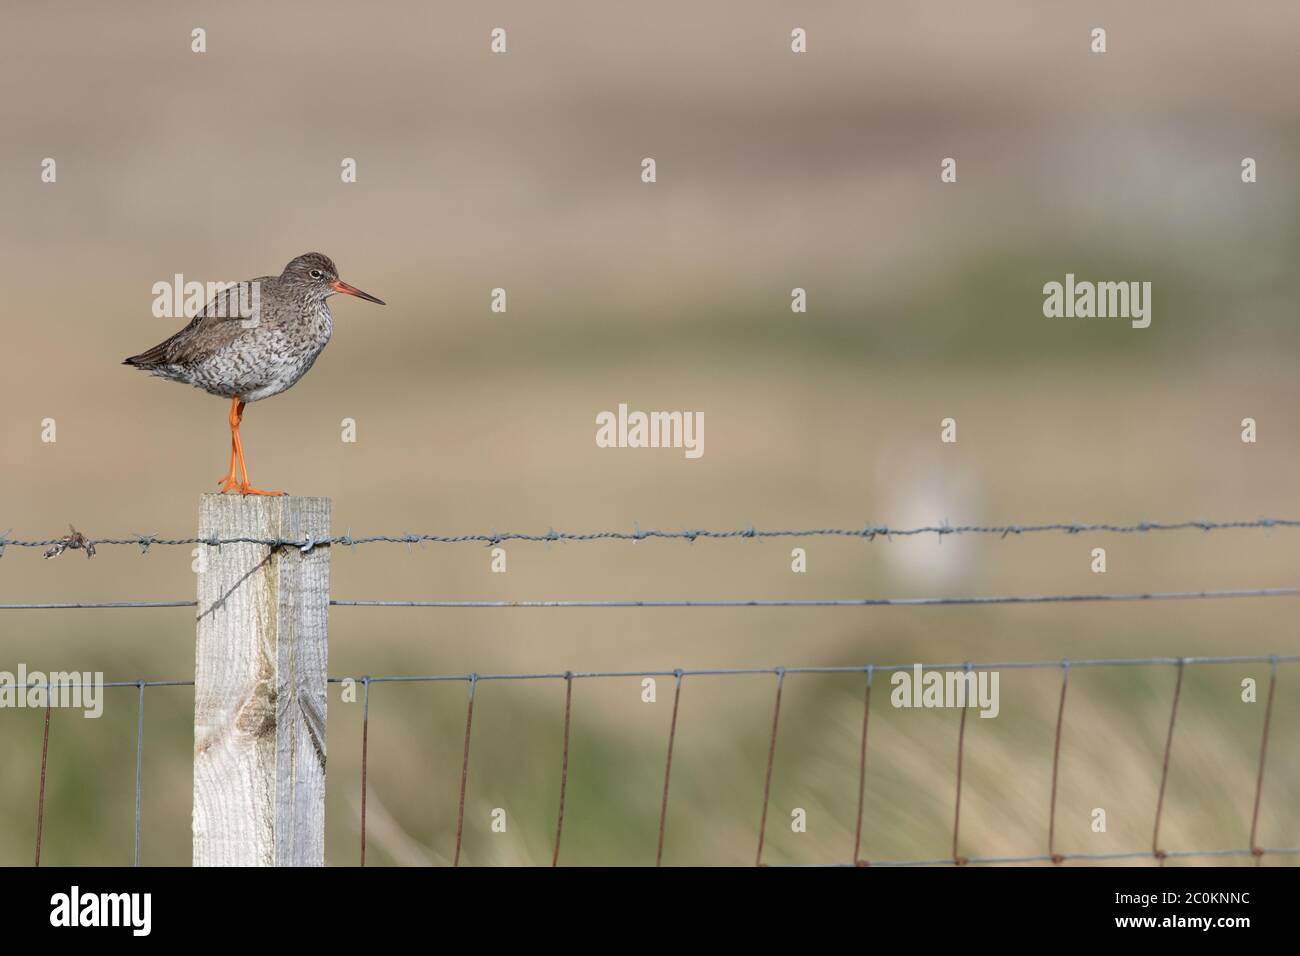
x=149 y=359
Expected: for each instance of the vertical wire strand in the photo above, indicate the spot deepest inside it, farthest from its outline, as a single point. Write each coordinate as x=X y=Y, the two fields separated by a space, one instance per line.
x=464 y=769
x=40 y=799
x=957 y=858
x=771 y=758
x=668 y=767
x=1158 y=853
x=365 y=744
x=1056 y=765
x=564 y=765
x=139 y=766
x=1255 y=849
x=862 y=771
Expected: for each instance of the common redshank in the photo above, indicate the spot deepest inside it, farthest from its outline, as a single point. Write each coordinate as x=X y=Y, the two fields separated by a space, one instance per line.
x=248 y=354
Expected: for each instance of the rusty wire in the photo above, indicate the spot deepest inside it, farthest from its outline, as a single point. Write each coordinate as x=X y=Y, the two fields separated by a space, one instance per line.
x=771 y=759
x=1263 y=752
x=1158 y=853
x=862 y=772
x=957 y=858
x=1056 y=764
x=668 y=768
x=564 y=765
x=365 y=742
x=464 y=770
x=40 y=799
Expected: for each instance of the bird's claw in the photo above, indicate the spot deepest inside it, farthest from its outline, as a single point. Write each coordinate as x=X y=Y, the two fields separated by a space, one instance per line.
x=244 y=488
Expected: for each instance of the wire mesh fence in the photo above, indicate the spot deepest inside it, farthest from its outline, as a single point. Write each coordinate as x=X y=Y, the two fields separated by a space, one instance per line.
x=682 y=678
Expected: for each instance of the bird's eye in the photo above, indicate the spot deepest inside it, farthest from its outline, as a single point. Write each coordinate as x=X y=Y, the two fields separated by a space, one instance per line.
x=316 y=274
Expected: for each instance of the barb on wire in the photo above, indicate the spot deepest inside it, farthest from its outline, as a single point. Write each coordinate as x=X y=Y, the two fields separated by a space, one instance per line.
x=867 y=532
x=74 y=541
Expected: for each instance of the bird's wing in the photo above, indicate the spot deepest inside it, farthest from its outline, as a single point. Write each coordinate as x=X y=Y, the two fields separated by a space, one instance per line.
x=238 y=301
x=226 y=316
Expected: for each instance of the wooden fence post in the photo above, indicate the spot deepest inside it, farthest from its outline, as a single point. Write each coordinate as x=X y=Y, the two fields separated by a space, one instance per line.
x=259 y=684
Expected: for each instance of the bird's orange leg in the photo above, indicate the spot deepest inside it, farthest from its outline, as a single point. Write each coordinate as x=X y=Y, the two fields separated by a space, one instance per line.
x=229 y=482
x=237 y=416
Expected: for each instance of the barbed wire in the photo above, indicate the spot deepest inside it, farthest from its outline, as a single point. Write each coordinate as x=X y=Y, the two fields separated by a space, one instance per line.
x=91 y=605
x=868 y=670
x=868 y=532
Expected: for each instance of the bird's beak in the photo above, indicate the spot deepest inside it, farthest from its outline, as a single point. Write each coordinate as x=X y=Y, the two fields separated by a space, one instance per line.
x=341 y=286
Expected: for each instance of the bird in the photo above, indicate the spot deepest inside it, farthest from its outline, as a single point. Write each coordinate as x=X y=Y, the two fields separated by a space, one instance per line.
x=253 y=340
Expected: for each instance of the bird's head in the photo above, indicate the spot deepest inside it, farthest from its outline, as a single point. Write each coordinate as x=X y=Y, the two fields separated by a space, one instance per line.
x=318 y=273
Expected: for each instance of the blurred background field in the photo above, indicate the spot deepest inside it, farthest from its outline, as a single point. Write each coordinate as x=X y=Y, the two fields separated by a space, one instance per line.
x=775 y=171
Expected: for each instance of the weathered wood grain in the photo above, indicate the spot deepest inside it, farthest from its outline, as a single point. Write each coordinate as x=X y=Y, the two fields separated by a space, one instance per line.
x=259 y=685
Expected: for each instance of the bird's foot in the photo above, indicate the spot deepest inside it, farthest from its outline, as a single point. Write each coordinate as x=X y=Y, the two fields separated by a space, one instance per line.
x=231 y=483
x=247 y=489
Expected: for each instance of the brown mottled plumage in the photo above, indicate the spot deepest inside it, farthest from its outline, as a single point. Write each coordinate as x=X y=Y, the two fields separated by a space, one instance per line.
x=252 y=341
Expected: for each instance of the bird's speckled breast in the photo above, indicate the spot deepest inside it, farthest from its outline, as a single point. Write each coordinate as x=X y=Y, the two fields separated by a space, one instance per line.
x=266 y=359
